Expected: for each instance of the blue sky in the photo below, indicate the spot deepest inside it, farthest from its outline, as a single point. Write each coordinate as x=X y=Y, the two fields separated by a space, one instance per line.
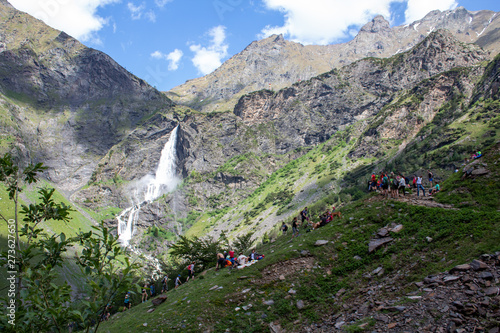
x=167 y=42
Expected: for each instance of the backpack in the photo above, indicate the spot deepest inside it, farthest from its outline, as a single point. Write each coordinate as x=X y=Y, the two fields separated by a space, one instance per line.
x=384 y=180
x=285 y=227
x=395 y=182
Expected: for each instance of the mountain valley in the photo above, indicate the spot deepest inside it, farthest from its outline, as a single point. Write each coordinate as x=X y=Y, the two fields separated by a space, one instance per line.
x=277 y=127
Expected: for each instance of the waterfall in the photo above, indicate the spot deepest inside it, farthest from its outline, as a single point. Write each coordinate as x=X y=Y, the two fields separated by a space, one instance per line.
x=164 y=181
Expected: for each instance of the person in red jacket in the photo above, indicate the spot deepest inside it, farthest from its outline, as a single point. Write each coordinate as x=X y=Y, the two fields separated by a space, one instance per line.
x=190 y=269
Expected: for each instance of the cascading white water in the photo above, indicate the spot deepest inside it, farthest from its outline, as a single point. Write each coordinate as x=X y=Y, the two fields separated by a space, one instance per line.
x=164 y=181
x=165 y=173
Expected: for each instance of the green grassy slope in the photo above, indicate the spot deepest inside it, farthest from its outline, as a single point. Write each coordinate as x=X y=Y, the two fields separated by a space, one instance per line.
x=78 y=222
x=318 y=273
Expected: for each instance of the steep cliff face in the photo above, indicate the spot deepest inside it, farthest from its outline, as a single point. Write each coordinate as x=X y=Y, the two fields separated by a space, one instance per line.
x=400 y=121
x=274 y=63
x=135 y=157
x=71 y=103
x=489 y=86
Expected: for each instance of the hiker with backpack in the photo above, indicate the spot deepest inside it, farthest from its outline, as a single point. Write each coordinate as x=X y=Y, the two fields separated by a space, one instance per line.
x=178 y=281
x=164 y=284
x=394 y=186
x=127 y=303
x=385 y=184
x=190 y=269
x=402 y=185
x=284 y=228
x=372 y=183
x=304 y=215
x=231 y=256
x=152 y=288
x=295 y=228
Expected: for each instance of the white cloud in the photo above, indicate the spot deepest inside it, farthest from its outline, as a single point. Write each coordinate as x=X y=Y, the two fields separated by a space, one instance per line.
x=207 y=59
x=135 y=11
x=151 y=16
x=78 y=18
x=328 y=21
x=138 y=12
x=157 y=55
x=162 y=3
x=417 y=9
x=323 y=21
x=173 y=58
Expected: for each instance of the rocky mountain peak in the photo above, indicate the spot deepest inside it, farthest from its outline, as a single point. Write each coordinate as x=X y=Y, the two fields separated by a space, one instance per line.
x=5 y=3
x=261 y=46
x=441 y=36
x=457 y=13
x=439 y=52
x=448 y=45
x=278 y=38
x=378 y=24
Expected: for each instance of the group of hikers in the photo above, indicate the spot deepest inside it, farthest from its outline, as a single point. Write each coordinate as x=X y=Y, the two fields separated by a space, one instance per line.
x=149 y=287
x=228 y=259
x=178 y=282
x=307 y=223
x=476 y=155
x=390 y=184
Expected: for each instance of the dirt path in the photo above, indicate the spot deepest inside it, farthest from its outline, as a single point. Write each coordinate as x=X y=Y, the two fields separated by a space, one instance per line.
x=412 y=199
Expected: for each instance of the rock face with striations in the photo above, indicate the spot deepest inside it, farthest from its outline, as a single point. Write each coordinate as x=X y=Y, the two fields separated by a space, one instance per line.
x=276 y=63
x=75 y=102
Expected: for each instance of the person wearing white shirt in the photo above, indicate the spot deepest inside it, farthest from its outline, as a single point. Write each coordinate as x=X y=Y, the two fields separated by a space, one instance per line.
x=420 y=186
x=242 y=259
